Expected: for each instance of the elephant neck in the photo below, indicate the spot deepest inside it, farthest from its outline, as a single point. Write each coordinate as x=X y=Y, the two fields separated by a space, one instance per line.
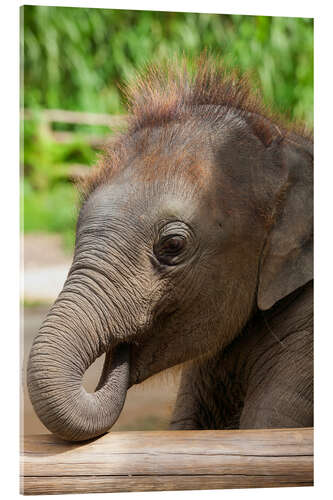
x=270 y=334
x=296 y=307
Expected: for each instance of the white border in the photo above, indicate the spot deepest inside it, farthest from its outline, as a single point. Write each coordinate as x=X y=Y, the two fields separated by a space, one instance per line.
x=296 y=8
x=323 y=232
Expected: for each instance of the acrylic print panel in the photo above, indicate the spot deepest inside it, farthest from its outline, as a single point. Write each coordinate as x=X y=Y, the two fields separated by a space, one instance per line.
x=175 y=328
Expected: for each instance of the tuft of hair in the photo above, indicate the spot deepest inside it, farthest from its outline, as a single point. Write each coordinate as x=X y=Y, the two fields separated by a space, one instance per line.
x=176 y=91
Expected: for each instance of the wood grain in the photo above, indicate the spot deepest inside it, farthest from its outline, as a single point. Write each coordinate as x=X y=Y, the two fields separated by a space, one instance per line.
x=168 y=460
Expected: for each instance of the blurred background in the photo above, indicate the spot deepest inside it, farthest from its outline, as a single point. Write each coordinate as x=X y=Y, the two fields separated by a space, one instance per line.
x=73 y=61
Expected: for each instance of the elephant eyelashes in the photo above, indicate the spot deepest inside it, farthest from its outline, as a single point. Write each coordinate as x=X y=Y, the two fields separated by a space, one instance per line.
x=173 y=245
x=170 y=246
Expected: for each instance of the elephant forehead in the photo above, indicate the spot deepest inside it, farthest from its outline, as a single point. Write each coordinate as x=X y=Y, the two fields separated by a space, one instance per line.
x=131 y=205
x=187 y=169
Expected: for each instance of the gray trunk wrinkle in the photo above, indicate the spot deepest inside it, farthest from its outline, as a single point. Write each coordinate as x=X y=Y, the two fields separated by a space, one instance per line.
x=74 y=334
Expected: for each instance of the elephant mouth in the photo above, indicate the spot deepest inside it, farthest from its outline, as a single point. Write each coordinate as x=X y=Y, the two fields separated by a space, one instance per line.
x=143 y=362
x=117 y=360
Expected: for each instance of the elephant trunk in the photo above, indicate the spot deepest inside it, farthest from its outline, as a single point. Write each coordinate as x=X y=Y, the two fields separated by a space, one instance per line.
x=77 y=330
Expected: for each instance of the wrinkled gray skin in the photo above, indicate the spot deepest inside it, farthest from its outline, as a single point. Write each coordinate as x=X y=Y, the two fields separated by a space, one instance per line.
x=230 y=293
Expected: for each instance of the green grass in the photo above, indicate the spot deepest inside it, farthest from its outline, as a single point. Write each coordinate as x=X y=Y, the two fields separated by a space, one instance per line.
x=51 y=211
x=49 y=200
x=34 y=305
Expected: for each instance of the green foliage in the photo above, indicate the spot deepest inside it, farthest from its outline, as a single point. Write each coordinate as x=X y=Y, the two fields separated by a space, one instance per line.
x=49 y=201
x=45 y=161
x=53 y=210
x=75 y=58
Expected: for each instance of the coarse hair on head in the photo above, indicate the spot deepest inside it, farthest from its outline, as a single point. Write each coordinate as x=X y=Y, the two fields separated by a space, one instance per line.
x=175 y=91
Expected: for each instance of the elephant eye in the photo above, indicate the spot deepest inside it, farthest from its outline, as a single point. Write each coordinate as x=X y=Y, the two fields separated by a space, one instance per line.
x=169 y=248
x=172 y=245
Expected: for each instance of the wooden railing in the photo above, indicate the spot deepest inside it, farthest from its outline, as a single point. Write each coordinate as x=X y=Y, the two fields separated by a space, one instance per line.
x=49 y=116
x=168 y=460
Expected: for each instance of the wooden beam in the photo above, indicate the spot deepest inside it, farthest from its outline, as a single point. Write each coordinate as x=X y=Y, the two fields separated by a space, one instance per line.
x=94 y=140
x=78 y=117
x=168 y=460
x=48 y=116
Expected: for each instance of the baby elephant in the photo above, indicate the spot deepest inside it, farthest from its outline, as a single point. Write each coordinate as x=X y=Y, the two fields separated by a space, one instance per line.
x=194 y=246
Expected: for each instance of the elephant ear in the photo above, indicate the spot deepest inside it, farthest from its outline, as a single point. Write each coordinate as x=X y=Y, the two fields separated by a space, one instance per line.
x=287 y=262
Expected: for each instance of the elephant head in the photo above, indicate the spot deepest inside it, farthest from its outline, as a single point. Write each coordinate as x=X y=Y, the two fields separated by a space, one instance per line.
x=196 y=216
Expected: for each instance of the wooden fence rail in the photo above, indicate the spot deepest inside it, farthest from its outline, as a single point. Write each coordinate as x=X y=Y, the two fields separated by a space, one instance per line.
x=78 y=117
x=49 y=116
x=168 y=460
